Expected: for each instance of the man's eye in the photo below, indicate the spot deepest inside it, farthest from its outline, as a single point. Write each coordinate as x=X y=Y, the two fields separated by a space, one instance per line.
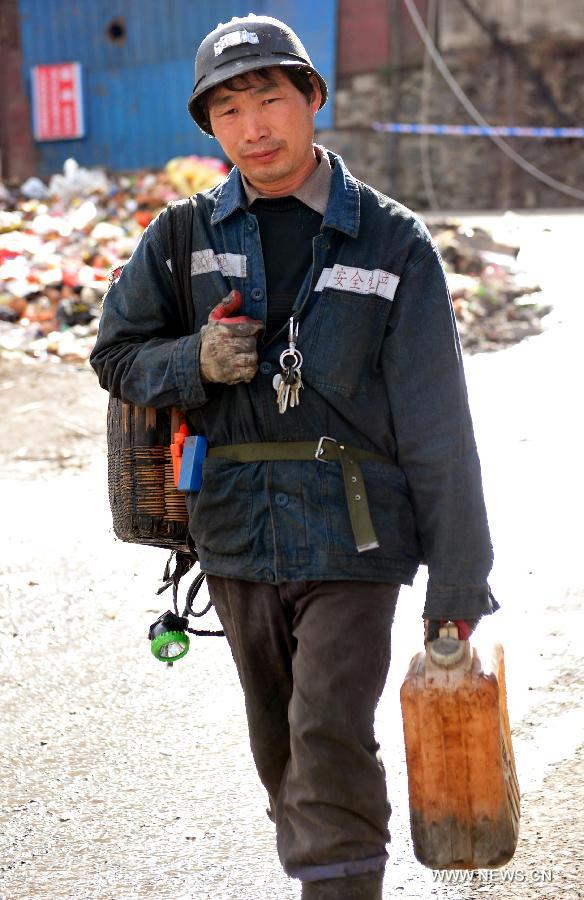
x=270 y=99
x=228 y=112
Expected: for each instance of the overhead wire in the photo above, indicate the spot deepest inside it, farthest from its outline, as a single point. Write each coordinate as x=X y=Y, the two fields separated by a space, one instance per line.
x=427 y=179
x=471 y=109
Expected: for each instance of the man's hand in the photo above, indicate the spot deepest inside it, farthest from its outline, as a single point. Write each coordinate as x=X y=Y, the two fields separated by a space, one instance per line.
x=465 y=628
x=229 y=343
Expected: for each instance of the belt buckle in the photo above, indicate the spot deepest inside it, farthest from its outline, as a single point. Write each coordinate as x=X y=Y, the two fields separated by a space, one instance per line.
x=318 y=454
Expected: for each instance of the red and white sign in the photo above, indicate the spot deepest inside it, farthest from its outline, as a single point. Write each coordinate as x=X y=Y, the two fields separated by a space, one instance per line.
x=57 y=102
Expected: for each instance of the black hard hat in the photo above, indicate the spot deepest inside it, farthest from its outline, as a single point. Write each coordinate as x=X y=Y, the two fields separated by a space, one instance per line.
x=242 y=45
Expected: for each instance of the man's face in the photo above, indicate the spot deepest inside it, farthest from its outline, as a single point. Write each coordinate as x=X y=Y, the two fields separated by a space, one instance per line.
x=267 y=130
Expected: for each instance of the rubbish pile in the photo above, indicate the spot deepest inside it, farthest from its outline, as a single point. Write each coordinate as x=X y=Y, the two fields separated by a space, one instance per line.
x=60 y=241
x=495 y=302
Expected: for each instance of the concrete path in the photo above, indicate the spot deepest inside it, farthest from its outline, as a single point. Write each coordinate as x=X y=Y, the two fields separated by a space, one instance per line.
x=122 y=778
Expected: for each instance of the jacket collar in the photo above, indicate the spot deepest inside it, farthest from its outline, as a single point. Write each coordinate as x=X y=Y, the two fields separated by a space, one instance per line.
x=342 y=212
x=344 y=207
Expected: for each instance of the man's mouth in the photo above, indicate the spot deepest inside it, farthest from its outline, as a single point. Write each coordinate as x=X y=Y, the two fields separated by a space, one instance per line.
x=262 y=155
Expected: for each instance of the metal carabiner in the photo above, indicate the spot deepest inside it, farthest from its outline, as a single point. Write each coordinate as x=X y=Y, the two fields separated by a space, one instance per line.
x=292 y=333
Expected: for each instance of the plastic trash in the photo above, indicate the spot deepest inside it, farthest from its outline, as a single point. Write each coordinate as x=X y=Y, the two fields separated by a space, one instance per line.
x=78 y=182
x=34 y=189
x=190 y=174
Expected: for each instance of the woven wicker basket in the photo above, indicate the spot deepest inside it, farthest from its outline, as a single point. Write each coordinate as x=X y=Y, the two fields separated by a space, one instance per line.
x=146 y=507
x=145 y=504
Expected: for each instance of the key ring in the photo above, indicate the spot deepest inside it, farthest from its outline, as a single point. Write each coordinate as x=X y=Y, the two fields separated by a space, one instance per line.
x=296 y=356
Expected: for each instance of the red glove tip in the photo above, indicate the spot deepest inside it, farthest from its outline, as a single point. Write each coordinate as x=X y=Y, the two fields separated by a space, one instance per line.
x=464 y=630
x=230 y=304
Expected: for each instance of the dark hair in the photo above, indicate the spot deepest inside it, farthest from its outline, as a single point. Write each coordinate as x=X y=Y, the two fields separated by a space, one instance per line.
x=299 y=76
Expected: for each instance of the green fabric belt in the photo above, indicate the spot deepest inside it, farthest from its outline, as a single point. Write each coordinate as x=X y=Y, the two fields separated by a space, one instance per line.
x=325 y=450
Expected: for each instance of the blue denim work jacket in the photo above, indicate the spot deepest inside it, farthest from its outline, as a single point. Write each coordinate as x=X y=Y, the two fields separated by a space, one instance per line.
x=382 y=371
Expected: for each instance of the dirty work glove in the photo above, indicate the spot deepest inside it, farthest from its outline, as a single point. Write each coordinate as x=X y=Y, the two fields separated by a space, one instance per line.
x=465 y=628
x=229 y=343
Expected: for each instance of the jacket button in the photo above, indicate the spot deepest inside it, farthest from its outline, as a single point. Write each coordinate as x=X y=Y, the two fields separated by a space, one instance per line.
x=257 y=294
x=282 y=499
x=269 y=575
x=265 y=368
x=251 y=225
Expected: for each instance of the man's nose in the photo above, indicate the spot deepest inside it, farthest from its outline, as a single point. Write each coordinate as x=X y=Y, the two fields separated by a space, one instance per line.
x=254 y=127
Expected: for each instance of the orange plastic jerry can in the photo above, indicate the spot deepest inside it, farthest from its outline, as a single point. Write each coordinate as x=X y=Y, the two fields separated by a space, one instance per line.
x=463 y=788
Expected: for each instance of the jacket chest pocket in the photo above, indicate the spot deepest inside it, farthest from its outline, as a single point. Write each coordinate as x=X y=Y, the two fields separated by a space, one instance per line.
x=208 y=290
x=345 y=340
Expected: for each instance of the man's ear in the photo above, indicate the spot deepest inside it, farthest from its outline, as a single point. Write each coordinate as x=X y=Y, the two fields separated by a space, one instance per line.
x=316 y=98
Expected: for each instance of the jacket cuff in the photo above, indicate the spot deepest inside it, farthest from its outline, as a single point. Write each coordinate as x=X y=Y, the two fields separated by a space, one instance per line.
x=188 y=374
x=459 y=602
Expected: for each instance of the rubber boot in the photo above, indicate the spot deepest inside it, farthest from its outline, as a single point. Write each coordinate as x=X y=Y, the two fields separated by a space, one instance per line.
x=354 y=887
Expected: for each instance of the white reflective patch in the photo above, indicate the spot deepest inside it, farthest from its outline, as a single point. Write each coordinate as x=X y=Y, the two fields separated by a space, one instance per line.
x=204 y=261
x=233 y=39
x=359 y=281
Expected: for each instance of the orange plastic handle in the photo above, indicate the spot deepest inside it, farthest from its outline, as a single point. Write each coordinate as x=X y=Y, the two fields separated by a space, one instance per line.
x=176 y=451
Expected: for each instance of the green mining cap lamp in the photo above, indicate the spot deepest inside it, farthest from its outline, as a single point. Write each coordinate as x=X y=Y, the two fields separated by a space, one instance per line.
x=169 y=637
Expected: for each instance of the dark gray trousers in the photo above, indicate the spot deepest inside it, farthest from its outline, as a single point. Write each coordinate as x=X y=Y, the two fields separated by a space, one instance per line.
x=312 y=659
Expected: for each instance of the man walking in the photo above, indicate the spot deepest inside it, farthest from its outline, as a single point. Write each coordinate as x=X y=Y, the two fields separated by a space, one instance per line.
x=326 y=373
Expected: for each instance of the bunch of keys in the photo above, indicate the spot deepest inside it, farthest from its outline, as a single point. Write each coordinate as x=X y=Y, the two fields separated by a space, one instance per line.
x=288 y=383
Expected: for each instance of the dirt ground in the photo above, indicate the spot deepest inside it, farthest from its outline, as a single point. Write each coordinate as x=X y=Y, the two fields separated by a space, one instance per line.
x=122 y=778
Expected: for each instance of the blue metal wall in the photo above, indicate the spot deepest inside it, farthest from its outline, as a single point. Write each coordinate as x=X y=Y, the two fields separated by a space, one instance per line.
x=136 y=90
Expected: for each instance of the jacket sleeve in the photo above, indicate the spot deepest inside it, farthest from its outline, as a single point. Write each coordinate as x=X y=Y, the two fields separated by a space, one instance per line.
x=436 y=448
x=140 y=355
